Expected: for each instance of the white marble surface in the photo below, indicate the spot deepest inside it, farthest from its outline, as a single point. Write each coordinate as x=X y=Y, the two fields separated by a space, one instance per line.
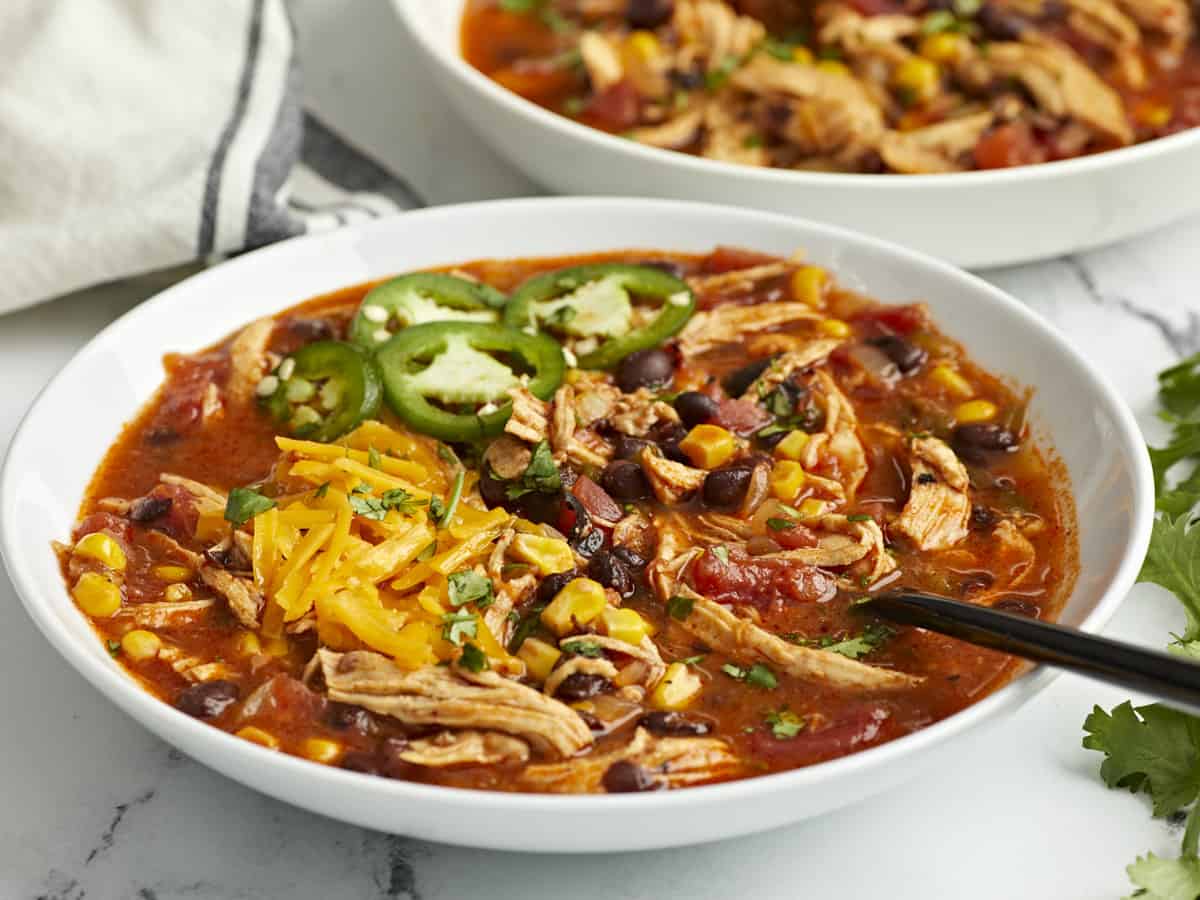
x=95 y=807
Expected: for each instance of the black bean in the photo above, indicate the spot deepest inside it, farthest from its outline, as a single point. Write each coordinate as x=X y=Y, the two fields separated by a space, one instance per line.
x=645 y=368
x=625 y=777
x=769 y=441
x=983 y=517
x=976 y=581
x=538 y=507
x=626 y=447
x=582 y=685
x=492 y=489
x=347 y=717
x=985 y=437
x=309 y=330
x=667 y=436
x=926 y=478
x=907 y=356
x=588 y=543
x=629 y=557
x=736 y=382
x=144 y=509
x=688 y=79
x=625 y=481
x=552 y=584
x=605 y=568
x=1017 y=606
x=649 y=13
x=726 y=487
x=674 y=724
x=358 y=761
x=999 y=24
x=208 y=699
x=695 y=408
x=673 y=269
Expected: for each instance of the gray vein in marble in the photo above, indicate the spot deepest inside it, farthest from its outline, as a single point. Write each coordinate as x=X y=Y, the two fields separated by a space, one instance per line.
x=1182 y=341
x=109 y=835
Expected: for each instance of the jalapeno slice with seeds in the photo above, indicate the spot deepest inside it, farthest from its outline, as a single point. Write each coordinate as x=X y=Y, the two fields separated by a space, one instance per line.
x=421 y=297
x=594 y=303
x=323 y=390
x=456 y=364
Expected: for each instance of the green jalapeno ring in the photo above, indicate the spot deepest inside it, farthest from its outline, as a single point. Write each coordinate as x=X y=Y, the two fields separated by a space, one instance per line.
x=425 y=296
x=678 y=304
x=323 y=390
x=407 y=357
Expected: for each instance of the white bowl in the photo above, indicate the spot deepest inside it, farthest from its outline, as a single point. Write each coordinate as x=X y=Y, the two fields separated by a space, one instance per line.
x=59 y=444
x=974 y=219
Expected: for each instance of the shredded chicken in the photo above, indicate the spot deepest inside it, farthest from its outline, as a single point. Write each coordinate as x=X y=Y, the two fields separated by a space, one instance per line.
x=674 y=134
x=935 y=148
x=636 y=532
x=837 y=451
x=530 y=417
x=842 y=542
x=716 y=30
x=465 y=748
x=737 y=279
x=731 y=324
x=670 y=481
x=669 y=761
x=729 y=136
x=781 y=369
x=248 y=360
x=206 y=499
x=1013 y=552
x=938 y=508
x=578 y=665
x=244 y=599
x=165 y=615
x=636 y=413
x=601 y=59
x=455 y=698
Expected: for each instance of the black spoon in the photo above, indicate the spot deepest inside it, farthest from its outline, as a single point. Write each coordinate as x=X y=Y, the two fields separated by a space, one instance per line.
x=1172 y=680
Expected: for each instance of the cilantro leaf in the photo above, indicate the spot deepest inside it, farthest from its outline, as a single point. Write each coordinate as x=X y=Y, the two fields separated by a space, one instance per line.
x=458 y=626
x=401 y=500
x=869 y=640
x=468 y=586
x=374 y=460
x=1179 y=387
x=540 y=475
x=114 y=648
x=1165 y=879
x=320 y=492
x=1185 y=442
x=679 y=607
x=757 y=675
x=244 y=504
x=784 y=723
x=368 y=507
x=527 y=624
x=693 y=660
x=436 y=508
x=776 y=524
x=473 y=659
x=582 y=647
x=1181 y=499
x=1173 y=562
x=1151 y=748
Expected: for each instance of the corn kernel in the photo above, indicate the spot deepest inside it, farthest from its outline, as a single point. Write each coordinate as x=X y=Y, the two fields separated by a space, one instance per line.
x=677 y=688
x=278 y=647
x=96 y=595
x=811 y=508
x=834 y=328
x=952 y=382
x=802 y=55
x=919 y=78
x=549 y=555
x=1154 y=115
x=247 y=644
x=792 y=446
x=625 y=625
x=172 y=574
x=643 y=45
x=539 y=657
x=211 y=527
x=177 y=593
x=833 y=66
x=975 y=411
x=787 y=478
x=141 y=645
x=102 y=548
x=576 y=604
x=708 y=446
x=321 y=750
x=808 y=285
x=258 y=736
x=945 y=47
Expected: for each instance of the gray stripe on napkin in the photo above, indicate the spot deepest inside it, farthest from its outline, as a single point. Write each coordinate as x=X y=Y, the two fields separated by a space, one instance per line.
x=212 y=185
x=268 y=220
x=350 y=169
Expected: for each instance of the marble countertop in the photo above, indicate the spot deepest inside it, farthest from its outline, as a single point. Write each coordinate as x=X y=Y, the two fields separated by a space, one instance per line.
x=96 y=807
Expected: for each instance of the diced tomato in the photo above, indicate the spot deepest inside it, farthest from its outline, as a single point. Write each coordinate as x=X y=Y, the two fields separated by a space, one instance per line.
x=179 y=520
x=1009 y=145
x=741 y=416
x=901 y=320
x=730 y=259
x=596 y=500
x=759 y=581
x=855 y=729
x=613 y=109
x=109 y=523
x=284 y=700
x=795 y=538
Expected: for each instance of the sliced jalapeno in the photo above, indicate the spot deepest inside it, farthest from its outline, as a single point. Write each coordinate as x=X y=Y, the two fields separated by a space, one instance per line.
x=322 y=390
x=593 y=303
x=456 y=364
x=421 y=297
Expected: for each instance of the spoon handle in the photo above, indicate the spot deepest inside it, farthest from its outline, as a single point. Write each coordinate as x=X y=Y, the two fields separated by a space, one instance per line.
x=1170 y=679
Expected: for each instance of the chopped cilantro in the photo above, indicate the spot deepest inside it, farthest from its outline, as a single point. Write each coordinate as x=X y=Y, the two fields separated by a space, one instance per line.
x=869 y=640
x=859 y=517
x=244 y=504
x=447 y=455
x=376 y=508
x=1179 y=387
x=436 y=508
x=320 y=492
x=582 y=647
x=716 y=78
x=527 y=624
x=753 y=141
x=679 y=607
x=784 y=723
x=781 y=50
x=428 y=552
x=469 y=586
x=776 y=524
x=540 y=475
x=400 y=500
x=1183 y=497
x=459 y=625
x=1185 y=442
x=361 y=488
x=757 y=675
x=693 y=660
x=374 y=460
x=473 y=659
x=520 y=6
x=1173 y=562
x=114 y=648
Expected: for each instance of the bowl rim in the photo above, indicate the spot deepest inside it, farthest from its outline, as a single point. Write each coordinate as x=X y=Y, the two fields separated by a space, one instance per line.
x=222 y=750
x=531 y=113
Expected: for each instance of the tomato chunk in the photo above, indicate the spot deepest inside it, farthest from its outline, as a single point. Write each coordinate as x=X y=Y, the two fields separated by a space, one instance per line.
x=742 y=416
x=596 y=500
x=1009 y=145
x=766 y=583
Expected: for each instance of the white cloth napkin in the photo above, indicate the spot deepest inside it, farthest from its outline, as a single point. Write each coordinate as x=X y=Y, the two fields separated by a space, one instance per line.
x=141 y=134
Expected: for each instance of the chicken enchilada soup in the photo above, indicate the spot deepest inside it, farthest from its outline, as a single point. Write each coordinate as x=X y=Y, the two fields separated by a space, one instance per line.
x=872 y=86
x=599 y=524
